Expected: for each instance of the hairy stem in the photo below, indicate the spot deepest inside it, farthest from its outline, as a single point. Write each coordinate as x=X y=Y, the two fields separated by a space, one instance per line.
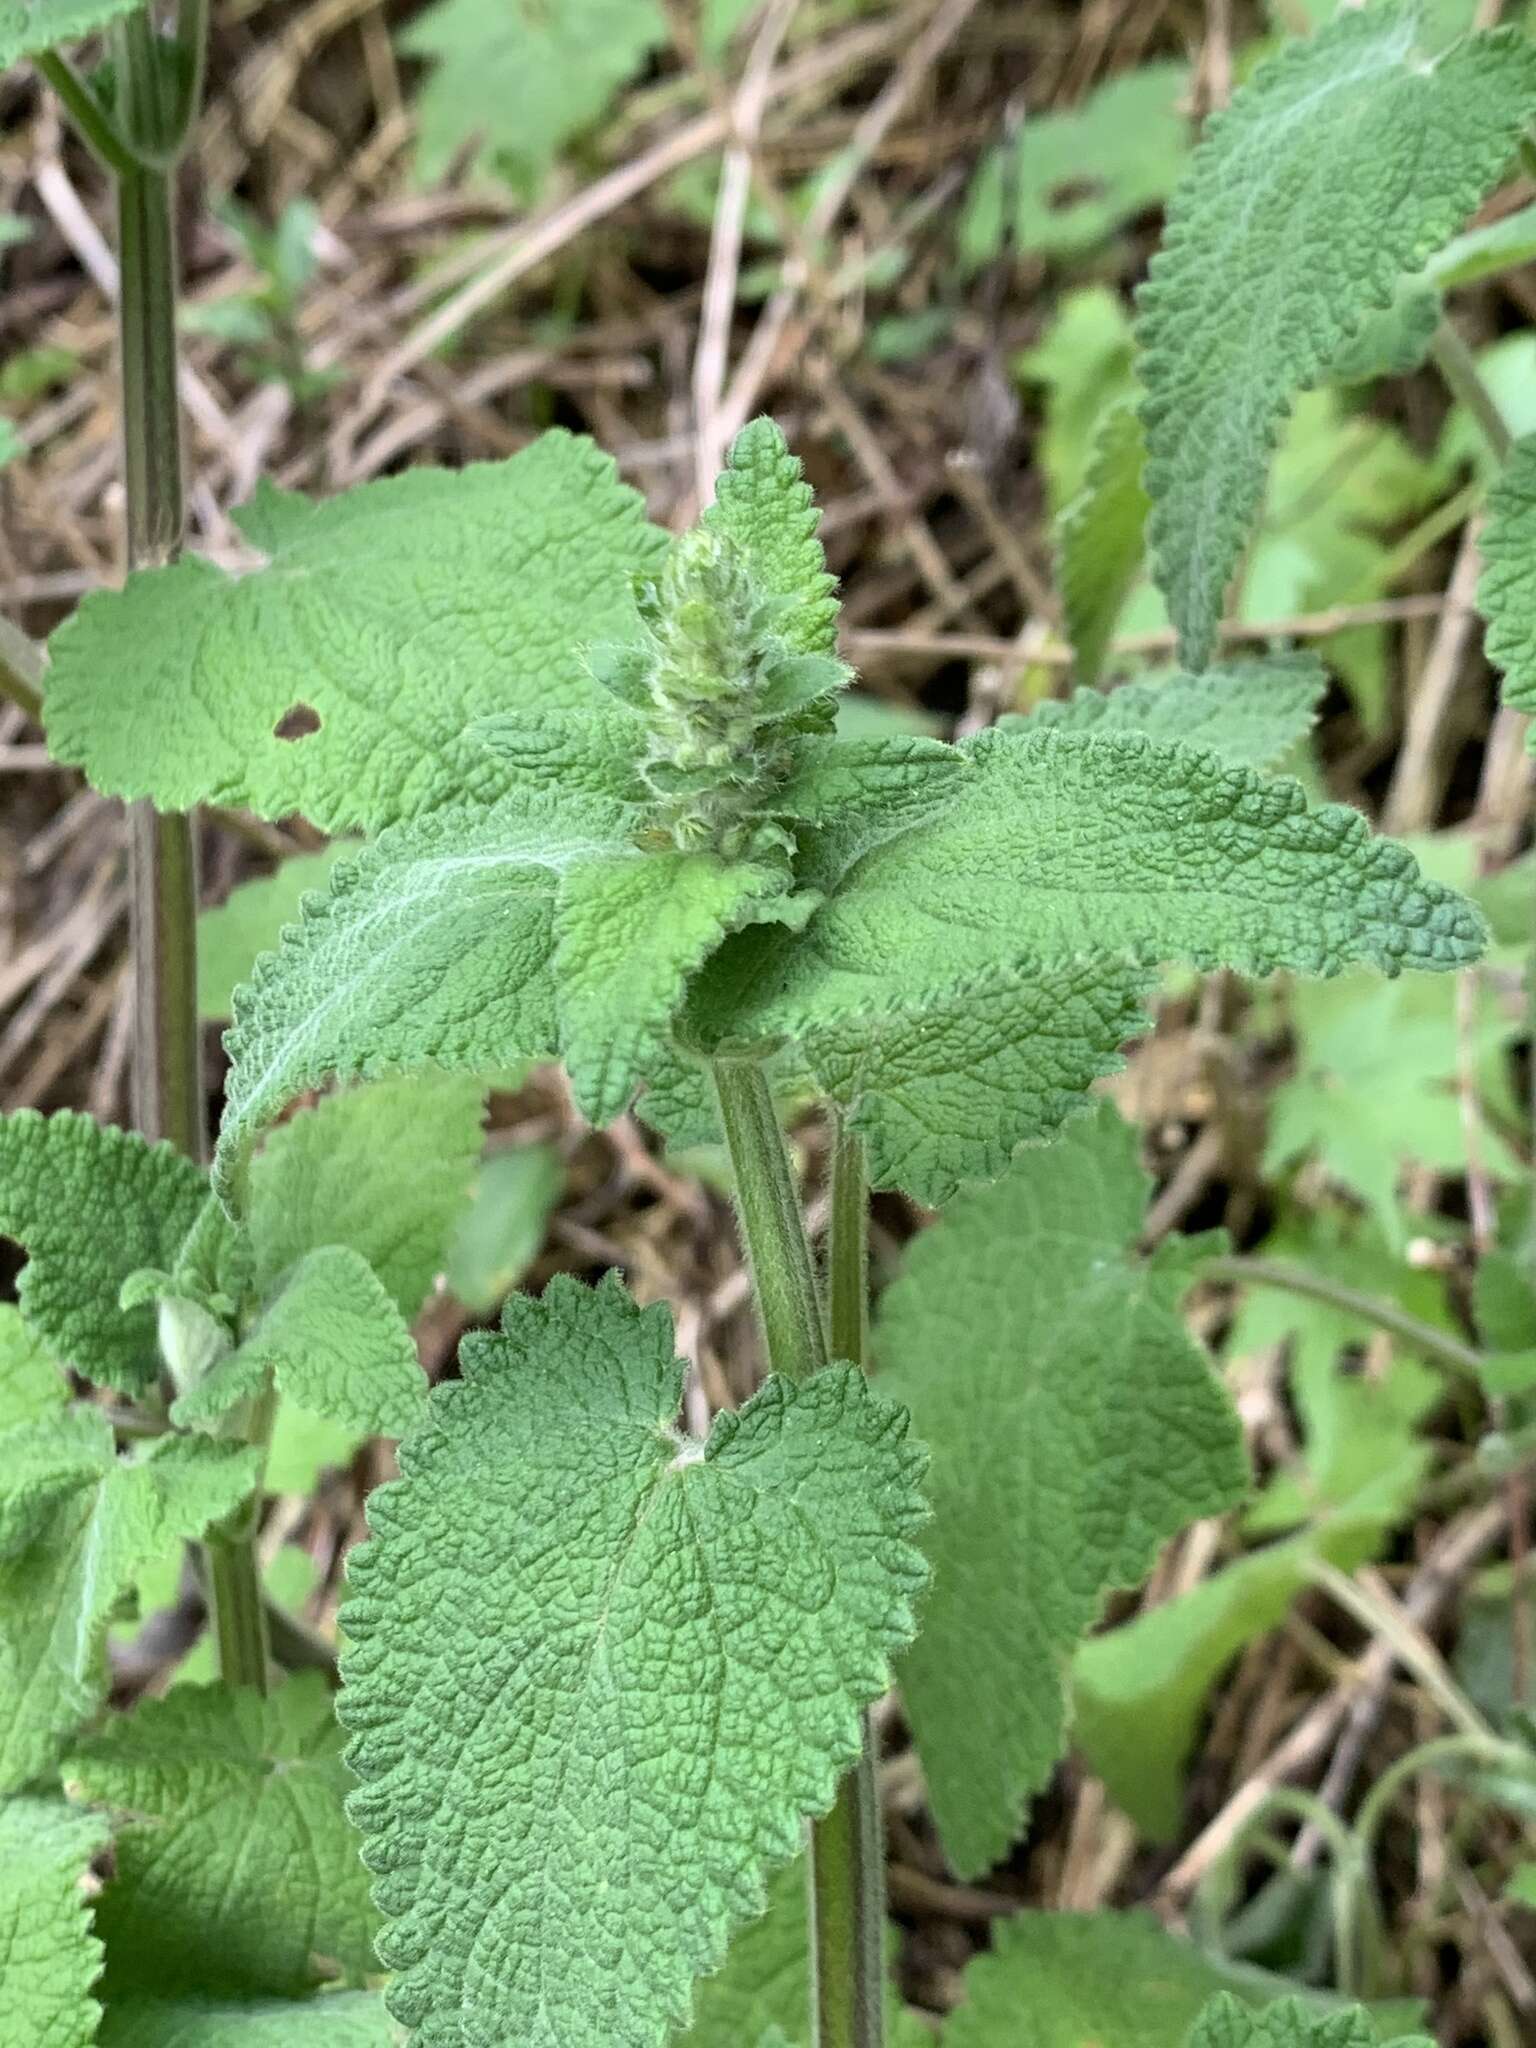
x=1437 y=1345
x=772 y=1228
x=848 y=1846
x=235 y=1603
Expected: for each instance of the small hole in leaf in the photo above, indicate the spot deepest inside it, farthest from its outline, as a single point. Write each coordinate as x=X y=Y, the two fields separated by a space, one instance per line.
x=297 y=723
x=1074 y=192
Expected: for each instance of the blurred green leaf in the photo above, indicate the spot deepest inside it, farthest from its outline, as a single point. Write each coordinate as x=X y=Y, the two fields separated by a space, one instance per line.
x=499 y=1234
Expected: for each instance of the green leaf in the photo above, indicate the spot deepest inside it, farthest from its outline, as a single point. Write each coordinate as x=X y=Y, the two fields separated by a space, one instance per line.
x=91 y=1204
x=764 y=505
x=334 y=1342
x=49 y=1958
x=587 y=1650
x=1019 y=1372
x=348 y=2019
x=434 y=948
x=1100 y=538
x=1093 y=1980
x=1522 y=1886
x=516 y=84
x=29 y=27
x=1482 y=252
x=1252 y=713
x=44 y=1463
x=1132 y=136
x=1067 y=865
x=1139 y=1692
x=1084 y=363
x=1289 y=2023
x=384 y=1170
x=395 y=616
x=1375 y=1088
x=58 y=1595
x=632 y=928
x=236 y=1869
x=1348 y=160
x=1506 y=592
x=31 y=1384
x=499 y=1235
x=250 y=922
x=1394 y=340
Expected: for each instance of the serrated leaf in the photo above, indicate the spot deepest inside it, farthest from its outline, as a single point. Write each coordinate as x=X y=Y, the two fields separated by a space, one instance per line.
x=515 y=84
x=1394 y=340
x=587 y=1652
x=28 y=27
x=42 y=1463
x=250 y=922
x=384 y=1170
x=49 y=1958
x=1288 y=2023
x=348 y=2019
x=764 y=505
x=57 y=1596
x=1138 y=1692
x=334 y=1342
x=1376 y=1089
x=500 y=1233
x=1068 y=863
x=1506 y=591
x=31 y=1384
x=90 y=1204
x=1094 y=1980
x=236 y=1870
x=1100 y=539
x=1345 y=162
x=632 y=928
x=433 y=949
x=394 y=616
x=1019 y=1372
x=1252 y=713
x=1131 y=131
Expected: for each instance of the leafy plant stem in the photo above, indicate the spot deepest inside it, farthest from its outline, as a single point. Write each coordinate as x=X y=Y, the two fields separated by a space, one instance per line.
x=1456 y=364
x=1436 y=1345
x=847 y=1845
x=772 y=1228
x=86 y=110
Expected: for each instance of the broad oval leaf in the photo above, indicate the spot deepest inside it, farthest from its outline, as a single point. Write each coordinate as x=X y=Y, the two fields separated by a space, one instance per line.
x=1506 y=593
x=1347 y=161
x=599 y=1672
x=1023 y=1376
x=340 y=679
x=49 y=1957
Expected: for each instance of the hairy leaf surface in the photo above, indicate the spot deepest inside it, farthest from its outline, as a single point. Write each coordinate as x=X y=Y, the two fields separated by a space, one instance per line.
x=31 y=1384
x=1252 y=713
x=765 y=506
x=632 y=928
x=599 y=1672
x=42 y=1463
x=1288 y=2023
x=349 y=2019
x=1021 y=1374
x=250 y=922
x=1100 y=539
x=1506 y=593
x=334 y=1342
x=49 y=1958
x=1348 y=160
x=384 y=1170
x=384 y=623
x=28 y=27
x=1069 y=863
x=433 y=949
x=57 y=1594
x=90 y=1204
x=236 y=1868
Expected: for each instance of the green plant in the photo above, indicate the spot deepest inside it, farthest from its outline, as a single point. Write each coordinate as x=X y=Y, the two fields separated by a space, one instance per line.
x=604 y=1677
x=264 y=321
